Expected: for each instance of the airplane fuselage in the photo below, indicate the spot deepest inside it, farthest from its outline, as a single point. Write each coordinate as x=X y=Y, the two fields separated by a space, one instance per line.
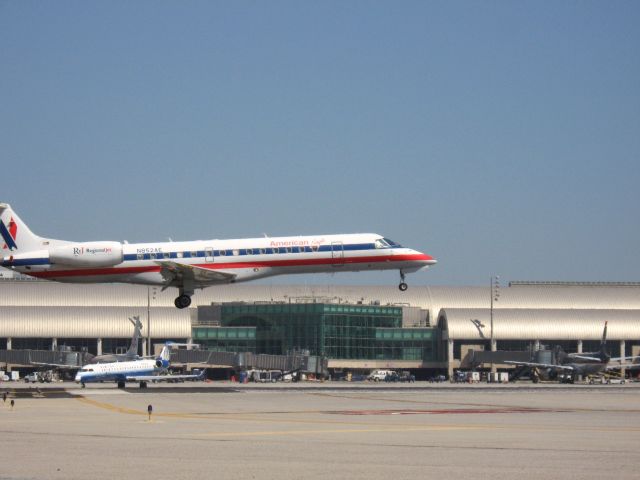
x=244 y=259
x=586 y=369
x=116 y=371
x=198 y=264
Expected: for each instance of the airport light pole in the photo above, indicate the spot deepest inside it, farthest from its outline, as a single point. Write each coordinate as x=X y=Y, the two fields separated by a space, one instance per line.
x=495 y=295
x=149 y=317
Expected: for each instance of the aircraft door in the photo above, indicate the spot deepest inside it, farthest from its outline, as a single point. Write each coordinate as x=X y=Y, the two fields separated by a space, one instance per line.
x=208 y=255
x=337 y=254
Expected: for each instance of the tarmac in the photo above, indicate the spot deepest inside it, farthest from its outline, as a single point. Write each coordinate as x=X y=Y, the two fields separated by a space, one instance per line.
x=320 y=430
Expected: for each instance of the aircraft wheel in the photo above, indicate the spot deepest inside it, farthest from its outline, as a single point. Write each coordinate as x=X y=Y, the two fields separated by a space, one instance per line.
x=183 y=301
x=403 y=287
x=120 y=384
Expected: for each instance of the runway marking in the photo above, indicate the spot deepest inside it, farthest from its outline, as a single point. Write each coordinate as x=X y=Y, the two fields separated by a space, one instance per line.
x=408 y=428
x=237 y=417
x=111 y=407
x=255 y=418
x=337 y=430
x=447 y=411
x=236 y=436
x=423 y=402
x=358 y=426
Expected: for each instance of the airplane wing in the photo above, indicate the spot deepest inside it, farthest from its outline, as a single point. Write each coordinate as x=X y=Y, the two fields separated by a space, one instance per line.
x=541 y=365
x=582 y=357
x=60 y=366
x=617 y=359
x=165 y=378
x=178 y=272
x=627 y=366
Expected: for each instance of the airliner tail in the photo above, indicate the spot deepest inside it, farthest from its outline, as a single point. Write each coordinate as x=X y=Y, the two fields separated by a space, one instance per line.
x=16 y=236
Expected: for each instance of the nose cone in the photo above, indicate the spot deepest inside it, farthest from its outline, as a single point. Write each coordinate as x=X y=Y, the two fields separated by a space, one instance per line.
x=426 y=260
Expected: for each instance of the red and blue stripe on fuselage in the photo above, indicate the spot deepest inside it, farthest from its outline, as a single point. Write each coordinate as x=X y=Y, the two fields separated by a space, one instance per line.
x=246 y=259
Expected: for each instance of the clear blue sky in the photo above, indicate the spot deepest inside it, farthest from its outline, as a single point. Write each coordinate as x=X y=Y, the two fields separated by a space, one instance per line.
x=500 y=137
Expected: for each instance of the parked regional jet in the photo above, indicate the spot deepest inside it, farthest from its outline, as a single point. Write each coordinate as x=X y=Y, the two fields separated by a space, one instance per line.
x=141 y=370
x=573 y=365
x=199 y=264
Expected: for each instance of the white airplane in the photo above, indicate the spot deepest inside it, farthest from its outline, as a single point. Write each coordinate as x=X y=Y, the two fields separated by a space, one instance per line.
x=584 y=364
x=142 y=370
x=198 y=264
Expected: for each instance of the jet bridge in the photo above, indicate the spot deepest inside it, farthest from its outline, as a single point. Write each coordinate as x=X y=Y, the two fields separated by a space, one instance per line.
x=51 y=358
x=295 y=362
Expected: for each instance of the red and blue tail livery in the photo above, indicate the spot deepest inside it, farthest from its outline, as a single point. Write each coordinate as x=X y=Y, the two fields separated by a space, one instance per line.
x=9 y=234
x=188 y=266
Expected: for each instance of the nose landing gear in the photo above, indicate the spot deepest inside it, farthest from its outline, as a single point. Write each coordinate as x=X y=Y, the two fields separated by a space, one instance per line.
x=403 y=286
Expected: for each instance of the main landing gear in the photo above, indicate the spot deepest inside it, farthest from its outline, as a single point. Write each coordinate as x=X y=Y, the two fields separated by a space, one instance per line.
x=183 y=301
x=403 y=286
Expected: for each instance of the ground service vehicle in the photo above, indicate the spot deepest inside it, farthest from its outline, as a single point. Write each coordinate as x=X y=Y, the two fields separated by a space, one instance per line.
x=380 y=375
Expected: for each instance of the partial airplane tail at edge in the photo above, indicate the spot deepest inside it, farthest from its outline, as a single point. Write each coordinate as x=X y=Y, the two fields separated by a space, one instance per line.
x=604 y=355
x=16 y=236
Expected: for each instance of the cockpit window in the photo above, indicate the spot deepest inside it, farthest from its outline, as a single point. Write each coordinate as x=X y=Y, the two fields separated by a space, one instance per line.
x=392 y=244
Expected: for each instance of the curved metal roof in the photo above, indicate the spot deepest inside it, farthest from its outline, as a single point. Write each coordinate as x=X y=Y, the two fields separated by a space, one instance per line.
x=29 y=293
x=82 y=322
x=543 y=324
x=26 y=303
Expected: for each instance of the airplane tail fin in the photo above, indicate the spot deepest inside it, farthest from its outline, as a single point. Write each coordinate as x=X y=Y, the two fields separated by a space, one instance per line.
x=604 y=355
x=164 y=359
x=135 y=340
x=16 y=236
x=165 y=354
x=559 y=354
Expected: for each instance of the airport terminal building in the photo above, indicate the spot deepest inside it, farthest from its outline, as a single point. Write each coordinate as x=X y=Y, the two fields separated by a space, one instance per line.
x=427 y=329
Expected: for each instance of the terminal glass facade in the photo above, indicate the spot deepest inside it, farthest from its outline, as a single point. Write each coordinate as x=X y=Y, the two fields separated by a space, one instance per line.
x=337 y=331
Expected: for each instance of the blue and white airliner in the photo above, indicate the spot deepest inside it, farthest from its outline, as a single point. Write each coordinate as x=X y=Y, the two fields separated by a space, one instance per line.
x=141 y=370
x=199 y=264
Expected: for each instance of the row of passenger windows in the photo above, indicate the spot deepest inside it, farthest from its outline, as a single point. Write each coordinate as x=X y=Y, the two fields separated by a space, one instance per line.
x=230 y=253
x=382 y=243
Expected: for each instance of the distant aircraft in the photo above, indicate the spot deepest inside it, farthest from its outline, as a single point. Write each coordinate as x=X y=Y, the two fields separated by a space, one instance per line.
x=199 y=264
x=131 y=353
x=142 y=370
x=587 y=364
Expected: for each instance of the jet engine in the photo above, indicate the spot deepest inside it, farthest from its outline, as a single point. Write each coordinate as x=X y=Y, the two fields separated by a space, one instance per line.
x=160 y=363
x=87 y=254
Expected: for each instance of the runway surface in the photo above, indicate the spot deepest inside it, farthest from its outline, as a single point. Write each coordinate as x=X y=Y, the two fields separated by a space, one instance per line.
x=225 y=430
